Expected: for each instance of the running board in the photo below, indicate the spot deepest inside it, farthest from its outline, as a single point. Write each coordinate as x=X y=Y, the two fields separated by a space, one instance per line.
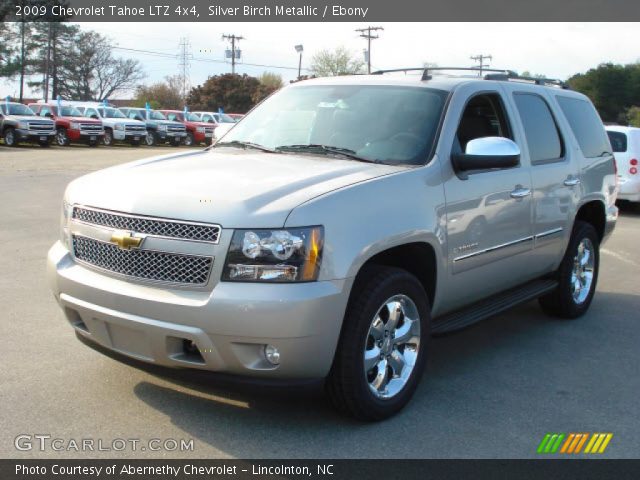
x=491 y=306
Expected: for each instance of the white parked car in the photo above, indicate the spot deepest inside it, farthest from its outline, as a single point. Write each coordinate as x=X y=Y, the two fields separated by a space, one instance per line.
x=223 y=122
x=626 y=148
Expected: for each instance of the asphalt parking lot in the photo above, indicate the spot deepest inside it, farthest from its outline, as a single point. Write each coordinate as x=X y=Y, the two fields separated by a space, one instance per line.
x=491 y=391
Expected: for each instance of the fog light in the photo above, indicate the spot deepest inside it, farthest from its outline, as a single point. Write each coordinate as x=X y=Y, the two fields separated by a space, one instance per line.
x=272 y=354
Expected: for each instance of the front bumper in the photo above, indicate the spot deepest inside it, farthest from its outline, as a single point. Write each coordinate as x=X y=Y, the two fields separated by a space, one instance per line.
x=83 y=136
x=230 y=324
x=34 y=136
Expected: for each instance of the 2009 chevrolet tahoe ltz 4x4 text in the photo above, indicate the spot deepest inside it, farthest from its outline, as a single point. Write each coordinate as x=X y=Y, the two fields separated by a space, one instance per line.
x=320 y=238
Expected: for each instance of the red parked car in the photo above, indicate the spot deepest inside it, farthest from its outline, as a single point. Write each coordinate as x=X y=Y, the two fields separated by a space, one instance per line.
x=197 y=131
x=71 y=126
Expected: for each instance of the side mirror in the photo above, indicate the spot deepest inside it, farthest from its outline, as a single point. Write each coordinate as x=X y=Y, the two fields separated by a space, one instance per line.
x=138 y=117
x=487 y=152
x=48 y=115
x=94 y=117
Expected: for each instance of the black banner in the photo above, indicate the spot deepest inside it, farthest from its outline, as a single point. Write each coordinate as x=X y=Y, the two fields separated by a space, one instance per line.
x=321 y=10
x=331 y=469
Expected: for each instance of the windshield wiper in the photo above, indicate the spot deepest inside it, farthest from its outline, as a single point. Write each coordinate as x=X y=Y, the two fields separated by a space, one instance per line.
x=319 y=148
x=238 y=143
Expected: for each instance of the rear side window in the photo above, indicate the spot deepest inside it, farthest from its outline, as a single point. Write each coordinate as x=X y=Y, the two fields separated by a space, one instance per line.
x=586 y=126
x=618 y=141
x=540 y=128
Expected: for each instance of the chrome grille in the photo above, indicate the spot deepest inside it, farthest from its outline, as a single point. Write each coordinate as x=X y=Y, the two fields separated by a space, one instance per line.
x=144 y=264
x=41 y=126
x=149 y=225
x=91 y=127
x=135 y=128
x=176 y=128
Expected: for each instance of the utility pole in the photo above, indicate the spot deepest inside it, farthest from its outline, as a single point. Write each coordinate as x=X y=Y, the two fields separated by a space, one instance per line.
x=366 y=33
x=480 y=58
x=184 y=65
x=233 y=39
x=22 y=66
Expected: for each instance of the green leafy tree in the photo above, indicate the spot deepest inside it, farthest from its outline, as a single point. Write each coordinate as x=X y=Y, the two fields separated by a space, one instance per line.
x=330 y=63
x=633 y=116
x=9 y=50
x=166 y=94
x=232 y=92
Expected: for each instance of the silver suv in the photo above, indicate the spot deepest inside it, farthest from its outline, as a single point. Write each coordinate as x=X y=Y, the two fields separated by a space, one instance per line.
x=338 y=226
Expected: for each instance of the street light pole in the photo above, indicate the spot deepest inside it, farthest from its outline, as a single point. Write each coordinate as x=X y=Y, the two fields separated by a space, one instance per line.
x=299 y=49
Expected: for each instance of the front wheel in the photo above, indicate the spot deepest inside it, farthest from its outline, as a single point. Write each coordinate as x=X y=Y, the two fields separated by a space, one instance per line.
x=382 y=350
x=108 y=138
x=151 y=139
x=189 y=140
x=577 y=275
x=61 y=137
x=10 y=139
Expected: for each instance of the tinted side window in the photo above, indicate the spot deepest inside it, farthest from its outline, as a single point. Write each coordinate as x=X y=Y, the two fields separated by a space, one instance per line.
x=618 y=141
x=586 y=126
x=540 y=128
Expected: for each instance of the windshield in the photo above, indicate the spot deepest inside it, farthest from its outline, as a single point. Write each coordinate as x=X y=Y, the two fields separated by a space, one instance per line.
x=387 y=124
x=17 y=109
x=111 y=113
x=69 y=112
x=192 y=117
x=154 y=115
x=224 y=118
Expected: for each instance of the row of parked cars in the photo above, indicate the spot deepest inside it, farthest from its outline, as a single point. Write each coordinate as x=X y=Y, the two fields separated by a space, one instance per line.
x=93 y=123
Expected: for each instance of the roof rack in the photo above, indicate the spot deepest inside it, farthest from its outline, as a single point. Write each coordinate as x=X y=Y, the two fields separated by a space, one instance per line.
x=504 y=75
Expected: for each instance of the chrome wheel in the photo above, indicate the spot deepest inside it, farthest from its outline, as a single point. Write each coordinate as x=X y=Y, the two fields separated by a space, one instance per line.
x=61 y=137
x=9 y=138
x=392 y=345
x=150 y=139
x=108 y=138
x=582 y=273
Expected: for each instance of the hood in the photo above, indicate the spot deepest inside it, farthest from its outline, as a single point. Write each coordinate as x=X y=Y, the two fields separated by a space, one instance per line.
x=232 y=187
x=29 y=118
x=164 y=122
x=80 y=119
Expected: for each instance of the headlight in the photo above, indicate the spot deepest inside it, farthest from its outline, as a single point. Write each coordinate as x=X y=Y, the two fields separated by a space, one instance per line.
x=162 y=128
x=119 y=126
x=23 y=125
x=200 y=129
x=291 y=255
x=75 y=126
x=65 y=236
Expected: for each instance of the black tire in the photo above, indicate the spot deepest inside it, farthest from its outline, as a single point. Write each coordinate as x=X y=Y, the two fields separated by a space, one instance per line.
x=208 y=142
x=61 y=137
x=189 y=141
x=151 y=138
x=10 y=139
x=560 y=302
x=346 y=386
x=108 y=137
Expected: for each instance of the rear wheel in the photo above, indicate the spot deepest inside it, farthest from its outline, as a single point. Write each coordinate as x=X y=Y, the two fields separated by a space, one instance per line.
x=577 y=275
x=10 y=139
x=382 y=351
x=61 y=137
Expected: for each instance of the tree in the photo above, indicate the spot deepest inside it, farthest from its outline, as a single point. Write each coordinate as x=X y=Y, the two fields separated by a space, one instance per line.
x=612 y=89
x=269 y=83
x=89 y=71
x=231 y=92
x=633 y=116
x=9 y=54
x=167 y=94
x=327 y=63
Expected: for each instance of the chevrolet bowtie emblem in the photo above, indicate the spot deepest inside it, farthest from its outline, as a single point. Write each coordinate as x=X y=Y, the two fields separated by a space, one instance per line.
x=125 y=240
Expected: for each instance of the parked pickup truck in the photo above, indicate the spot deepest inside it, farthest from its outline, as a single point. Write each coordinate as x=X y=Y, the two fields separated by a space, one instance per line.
x=117 y=127
x=221 y=121
x=71 y=125
x=320 y=240
x=197 y=131
x=159 y=129
x=18 y=123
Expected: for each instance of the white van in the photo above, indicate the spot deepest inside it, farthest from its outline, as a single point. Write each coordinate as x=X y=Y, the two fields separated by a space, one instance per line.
x=626 y=148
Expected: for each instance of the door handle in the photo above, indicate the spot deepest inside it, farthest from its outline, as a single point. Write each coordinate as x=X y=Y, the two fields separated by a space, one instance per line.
x=520 y=192
x=572 y=181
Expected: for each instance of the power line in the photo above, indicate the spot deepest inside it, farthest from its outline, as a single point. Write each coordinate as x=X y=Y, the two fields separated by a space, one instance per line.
x=197 y=59
x=480 y=58
x=369 y=37
x=235 y=53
